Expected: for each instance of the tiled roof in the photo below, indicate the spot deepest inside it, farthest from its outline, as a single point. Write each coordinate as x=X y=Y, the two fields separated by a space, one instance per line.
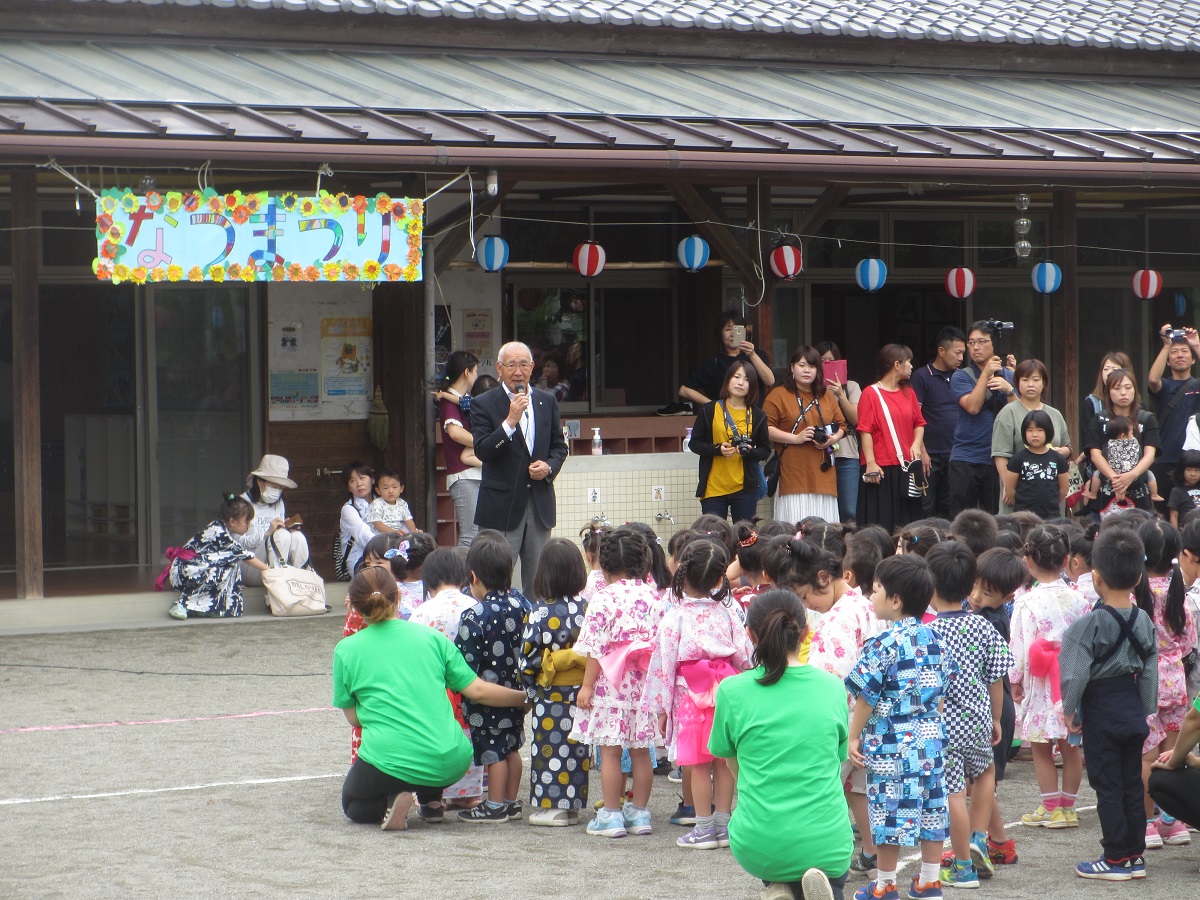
x=1120 y=24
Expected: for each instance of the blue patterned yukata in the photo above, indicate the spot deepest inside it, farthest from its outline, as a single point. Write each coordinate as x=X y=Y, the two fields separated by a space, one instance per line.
x=489 y=637
x=903 y=674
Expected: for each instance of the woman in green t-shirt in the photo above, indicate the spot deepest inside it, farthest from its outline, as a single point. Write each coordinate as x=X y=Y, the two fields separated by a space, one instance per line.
x=784 y=730
x=391 y=679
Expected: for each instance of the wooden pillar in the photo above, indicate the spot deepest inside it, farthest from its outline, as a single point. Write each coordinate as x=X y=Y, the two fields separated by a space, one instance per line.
x=758 y=209
x=1064 y=317
x=27 y=398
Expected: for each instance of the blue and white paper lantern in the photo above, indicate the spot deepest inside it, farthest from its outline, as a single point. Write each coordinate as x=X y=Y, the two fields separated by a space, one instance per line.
x=1047 y=278
x=492 y=253
x=693 y=253
x=870 y=274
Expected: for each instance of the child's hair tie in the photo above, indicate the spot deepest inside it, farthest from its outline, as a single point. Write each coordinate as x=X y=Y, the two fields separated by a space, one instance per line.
x=750 y=541
x=402 y=550
x=799 y=535
x=1175 y=561
x=915 y=538
x=376 y=594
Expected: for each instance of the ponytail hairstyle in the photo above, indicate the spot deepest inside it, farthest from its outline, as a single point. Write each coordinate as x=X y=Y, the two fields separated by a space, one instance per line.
x=777 y=619
x=919 y=538
x=457 y=363
x=719 y=529
x=658 y=559
x=374 y=595
x=1047 y=547
x=233 y=509
x=750 y=548
x=801 y=565
x=702 y=568
x=1163 y=545
x=409 y=554
x=1082 y=543
x=624 y=553
x=589 y=537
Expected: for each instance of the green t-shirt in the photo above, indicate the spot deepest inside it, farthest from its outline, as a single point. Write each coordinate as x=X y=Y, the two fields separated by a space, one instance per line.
x=395 y=674
x=789 y=740
x=1196 y=704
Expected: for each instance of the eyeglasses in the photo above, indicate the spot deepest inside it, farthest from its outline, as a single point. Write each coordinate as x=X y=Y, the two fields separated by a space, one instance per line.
x=978 y=342
x=517 y=364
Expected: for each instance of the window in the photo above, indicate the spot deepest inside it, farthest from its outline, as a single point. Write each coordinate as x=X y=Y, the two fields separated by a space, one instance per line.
x=842 y=243
x=1175 y=243
x=1115 y=241
x=928 y=243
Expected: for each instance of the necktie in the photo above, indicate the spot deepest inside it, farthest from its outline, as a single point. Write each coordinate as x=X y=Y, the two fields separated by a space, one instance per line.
x=527 y=427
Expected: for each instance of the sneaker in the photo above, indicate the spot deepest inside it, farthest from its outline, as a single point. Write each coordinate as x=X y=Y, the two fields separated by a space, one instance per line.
x=1058 y=819
x=608 y=823
x=774 y=890
x=1004 y=853
x=1175 y=834
x=1137 y=867
x=814 y=885
x=984 y=866
x=957 y=876
x=875 y=891
x=684 y=815
x=1072 y=816
x=865 y=862
x=554 y=818
x=515 y=810
x=637 y=821
x=1039 y=816
x=698 y=839
x=599 y=804
x=664 y=767
x=931 y=890
x=675 y=776
x=433 y=813
x=177 y=611
x=1154 y=840
x=1103 y=870
x=396 y=817
x=485 y=814
x=722 y=836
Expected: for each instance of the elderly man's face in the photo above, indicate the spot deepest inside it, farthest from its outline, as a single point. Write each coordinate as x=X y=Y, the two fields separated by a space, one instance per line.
x=515 y=366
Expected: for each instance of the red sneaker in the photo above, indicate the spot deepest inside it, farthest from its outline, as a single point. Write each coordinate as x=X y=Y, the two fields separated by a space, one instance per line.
x=1004 y=854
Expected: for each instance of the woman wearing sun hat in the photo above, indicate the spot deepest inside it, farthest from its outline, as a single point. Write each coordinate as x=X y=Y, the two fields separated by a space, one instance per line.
x=265 y=492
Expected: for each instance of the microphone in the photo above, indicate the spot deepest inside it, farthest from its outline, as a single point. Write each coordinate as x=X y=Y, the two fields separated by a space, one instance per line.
x=520 y=388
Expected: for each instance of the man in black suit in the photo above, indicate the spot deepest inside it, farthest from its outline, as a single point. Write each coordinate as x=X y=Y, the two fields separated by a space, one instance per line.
x=518 y=438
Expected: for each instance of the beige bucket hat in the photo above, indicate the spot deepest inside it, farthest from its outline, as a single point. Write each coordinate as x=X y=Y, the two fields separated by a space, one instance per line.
x=275 y=470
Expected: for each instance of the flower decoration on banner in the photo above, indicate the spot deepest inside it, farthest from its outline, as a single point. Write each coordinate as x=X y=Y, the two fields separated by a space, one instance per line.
x=589 y=259
x=1146 y=284
x=787 y=261
x=871 y=274
x=1046 y=277
x=693 y=253
x=960 y=283
x=256 y=237
x=492 y=253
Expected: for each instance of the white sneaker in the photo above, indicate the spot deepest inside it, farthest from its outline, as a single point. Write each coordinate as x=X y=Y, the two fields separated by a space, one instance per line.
x=553 y=818
x=177 y=611
x=815 y=885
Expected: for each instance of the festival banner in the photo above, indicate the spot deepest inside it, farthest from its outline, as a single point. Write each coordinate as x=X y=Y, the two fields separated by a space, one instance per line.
x=205 y=236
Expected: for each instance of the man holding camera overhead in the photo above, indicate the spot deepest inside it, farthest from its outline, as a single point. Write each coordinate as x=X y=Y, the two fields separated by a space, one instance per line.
x=1176 y=399
x=983 y=387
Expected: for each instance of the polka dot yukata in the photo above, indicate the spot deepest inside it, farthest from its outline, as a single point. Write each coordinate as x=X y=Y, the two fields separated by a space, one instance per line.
x=558 y=766
x=489 y=637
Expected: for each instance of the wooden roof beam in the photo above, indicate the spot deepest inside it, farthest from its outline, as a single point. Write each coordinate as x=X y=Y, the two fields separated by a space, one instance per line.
x=823 y=207
x=701 y=205
x=456 y=236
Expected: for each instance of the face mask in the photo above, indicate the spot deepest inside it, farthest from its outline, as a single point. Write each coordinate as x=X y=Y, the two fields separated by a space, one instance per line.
x=271 y=494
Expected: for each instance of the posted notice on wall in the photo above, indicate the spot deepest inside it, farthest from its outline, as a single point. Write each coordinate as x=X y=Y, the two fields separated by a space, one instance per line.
x=477 y=335
x=345 y=357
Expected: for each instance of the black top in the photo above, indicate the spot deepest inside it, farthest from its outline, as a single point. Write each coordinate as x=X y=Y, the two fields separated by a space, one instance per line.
x=1172 y=424
x=1037 y=481
x=1184 y=498
x=1146 y=432
x=708 y=377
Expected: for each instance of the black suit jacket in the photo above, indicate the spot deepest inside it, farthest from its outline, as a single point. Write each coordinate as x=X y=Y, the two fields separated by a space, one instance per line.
x=506 y=487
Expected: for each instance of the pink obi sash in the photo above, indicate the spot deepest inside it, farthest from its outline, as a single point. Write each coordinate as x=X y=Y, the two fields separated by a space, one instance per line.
x=625 y=655
x=1043 y=663
x=702 y=677
x=694 y=712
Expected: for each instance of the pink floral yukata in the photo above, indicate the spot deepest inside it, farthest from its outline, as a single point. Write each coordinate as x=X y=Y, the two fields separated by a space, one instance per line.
x=1039 y=619
x=700 y=642
x=838 y=638
x=623 y=615
x=1172 y=680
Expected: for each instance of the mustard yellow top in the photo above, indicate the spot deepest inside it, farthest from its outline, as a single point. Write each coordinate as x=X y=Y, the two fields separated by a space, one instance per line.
x=728 y=472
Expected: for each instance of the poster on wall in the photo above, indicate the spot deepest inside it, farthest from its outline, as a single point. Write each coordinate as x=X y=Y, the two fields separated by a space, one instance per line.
x=477 y=335
x=205 y=236
x=345 y=357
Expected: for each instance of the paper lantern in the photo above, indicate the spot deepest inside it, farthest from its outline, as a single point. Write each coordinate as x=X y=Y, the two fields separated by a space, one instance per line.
x=870 y=274
x=1146 y=284
x=1047 y=277
x=589 y=259
x=787 y=261
x=492 y=253
x=960 y=283
x=693 y=253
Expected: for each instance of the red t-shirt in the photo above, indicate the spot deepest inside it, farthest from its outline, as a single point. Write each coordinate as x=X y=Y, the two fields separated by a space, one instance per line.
x=452 y=449
x=906 y=416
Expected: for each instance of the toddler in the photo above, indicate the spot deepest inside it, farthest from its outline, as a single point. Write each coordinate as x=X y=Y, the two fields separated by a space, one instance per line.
x=207 y=571
x=388 y=511
x=1123 y=453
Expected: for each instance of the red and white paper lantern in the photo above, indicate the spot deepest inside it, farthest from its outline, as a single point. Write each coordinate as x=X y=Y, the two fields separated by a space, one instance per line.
x=1146 y=284
x=589 y=259
x=960 y=283
x=787 y=261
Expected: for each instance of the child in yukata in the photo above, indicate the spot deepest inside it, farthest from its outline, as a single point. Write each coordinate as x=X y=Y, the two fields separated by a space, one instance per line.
x=897 y=731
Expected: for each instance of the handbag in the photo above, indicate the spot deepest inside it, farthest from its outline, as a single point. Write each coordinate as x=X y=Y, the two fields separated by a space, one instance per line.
x=291 y=590
x=917 y=483
x=1114 y=506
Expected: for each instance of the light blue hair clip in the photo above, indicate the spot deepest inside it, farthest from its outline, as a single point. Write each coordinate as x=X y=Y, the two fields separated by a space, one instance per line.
x=402 y=550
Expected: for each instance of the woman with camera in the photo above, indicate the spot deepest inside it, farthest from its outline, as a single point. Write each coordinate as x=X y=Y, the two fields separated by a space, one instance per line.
x=805 y=424
x=891 y=431
x=730 y=437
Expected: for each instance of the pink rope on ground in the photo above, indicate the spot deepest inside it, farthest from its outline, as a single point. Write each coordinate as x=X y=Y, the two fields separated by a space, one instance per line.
x=249 y=715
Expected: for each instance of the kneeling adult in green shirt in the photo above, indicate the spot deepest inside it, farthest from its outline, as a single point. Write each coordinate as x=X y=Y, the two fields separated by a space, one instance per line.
x=391 y=679
x=784 y=729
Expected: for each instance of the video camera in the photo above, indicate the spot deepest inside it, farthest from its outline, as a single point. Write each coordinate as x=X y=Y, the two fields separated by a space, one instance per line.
x=995 y=326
